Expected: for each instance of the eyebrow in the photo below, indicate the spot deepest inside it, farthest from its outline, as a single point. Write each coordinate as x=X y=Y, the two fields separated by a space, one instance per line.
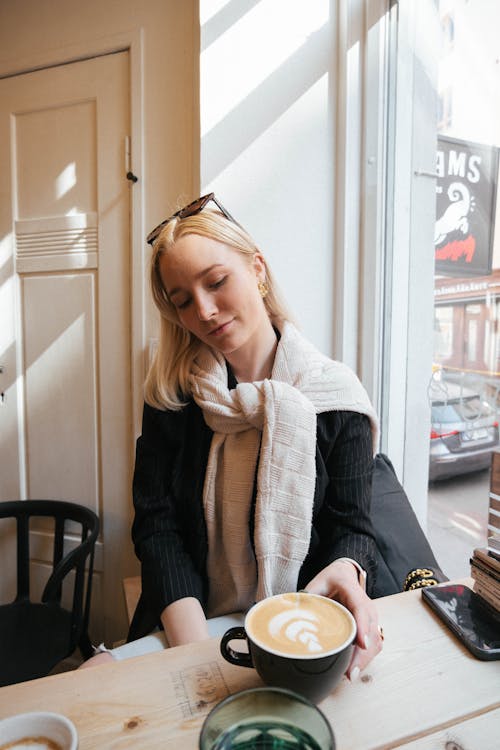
x=199 y=275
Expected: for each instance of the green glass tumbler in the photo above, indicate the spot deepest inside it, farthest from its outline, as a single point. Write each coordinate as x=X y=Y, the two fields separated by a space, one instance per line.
x=266 y=718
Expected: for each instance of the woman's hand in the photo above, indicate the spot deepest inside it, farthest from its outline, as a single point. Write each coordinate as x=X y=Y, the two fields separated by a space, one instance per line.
x=339 y=581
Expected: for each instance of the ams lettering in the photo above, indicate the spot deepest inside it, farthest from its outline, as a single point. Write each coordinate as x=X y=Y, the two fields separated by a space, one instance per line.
x=460 y=164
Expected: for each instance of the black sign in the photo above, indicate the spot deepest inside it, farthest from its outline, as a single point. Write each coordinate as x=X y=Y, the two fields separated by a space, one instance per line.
x=465 y=207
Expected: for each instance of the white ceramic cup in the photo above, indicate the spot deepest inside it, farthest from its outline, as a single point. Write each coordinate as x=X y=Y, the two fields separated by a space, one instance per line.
x=58 y=732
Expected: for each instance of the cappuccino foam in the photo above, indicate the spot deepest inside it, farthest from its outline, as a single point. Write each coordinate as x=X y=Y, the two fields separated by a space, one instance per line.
x=299 y=624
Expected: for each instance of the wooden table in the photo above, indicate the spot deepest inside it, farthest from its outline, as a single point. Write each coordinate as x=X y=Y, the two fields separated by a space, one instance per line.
x=423 y=692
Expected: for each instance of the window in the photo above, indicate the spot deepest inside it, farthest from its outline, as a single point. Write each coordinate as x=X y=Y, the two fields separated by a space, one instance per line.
x=443 y=333
x=440 y=325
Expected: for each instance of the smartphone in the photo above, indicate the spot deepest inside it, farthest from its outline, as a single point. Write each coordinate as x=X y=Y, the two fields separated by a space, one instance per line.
x=468 y=616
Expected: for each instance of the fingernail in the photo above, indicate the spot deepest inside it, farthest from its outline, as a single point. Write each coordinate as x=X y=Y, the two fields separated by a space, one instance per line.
x=354 y=675
x=367 y=641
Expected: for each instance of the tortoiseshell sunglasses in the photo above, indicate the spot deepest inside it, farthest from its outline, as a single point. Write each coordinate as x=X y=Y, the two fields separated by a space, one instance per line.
x=190 y=210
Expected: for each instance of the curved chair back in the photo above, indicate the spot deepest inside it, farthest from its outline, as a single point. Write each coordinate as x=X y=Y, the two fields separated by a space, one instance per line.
x=80 y=560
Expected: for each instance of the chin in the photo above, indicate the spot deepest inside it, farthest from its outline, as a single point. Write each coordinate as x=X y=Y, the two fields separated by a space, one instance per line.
x=227 y=347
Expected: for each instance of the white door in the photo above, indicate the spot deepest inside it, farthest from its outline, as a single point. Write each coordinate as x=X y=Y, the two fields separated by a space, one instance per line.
x=65 y=400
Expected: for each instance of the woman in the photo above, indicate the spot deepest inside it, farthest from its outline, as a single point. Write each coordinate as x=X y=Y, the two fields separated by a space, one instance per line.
x=253 y=470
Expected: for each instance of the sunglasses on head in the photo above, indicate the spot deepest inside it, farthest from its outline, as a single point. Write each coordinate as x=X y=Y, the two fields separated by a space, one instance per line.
x=190 y=210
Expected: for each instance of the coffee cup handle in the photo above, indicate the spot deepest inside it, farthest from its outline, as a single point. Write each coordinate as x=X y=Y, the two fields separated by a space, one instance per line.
x=235 y=657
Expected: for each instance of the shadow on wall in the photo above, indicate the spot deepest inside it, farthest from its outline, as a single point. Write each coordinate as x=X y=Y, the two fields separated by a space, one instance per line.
x=247 y=121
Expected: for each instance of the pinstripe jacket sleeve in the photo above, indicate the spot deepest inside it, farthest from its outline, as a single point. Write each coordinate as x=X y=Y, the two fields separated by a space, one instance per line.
x=169 y=531
x=342 y=523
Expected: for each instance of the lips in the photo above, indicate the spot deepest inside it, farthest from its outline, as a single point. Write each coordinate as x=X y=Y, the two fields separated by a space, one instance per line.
x=220 y=329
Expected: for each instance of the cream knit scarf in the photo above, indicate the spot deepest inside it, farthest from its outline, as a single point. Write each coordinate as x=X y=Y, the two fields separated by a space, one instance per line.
x=276 y=418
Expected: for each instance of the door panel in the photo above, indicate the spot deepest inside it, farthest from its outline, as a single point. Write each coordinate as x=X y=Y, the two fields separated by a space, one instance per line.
x=61 y=386
x=65 y=418
x=56 y=174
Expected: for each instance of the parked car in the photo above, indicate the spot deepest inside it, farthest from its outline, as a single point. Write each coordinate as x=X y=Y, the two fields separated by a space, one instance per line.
x=464 y=431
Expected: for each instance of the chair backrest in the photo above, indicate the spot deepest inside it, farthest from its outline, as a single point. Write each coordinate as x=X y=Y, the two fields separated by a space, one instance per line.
x=401 y=544
x=80 y=559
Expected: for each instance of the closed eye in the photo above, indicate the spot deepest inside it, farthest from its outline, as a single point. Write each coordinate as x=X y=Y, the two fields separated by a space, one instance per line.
x=214 y=285
x=218 y=283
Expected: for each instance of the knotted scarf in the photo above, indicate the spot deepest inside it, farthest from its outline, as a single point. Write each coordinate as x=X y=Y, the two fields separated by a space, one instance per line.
x=268 y=426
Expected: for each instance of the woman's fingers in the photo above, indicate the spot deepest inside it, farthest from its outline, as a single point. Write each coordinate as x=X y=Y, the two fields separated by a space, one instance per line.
x=363 y=654
x=339 y=581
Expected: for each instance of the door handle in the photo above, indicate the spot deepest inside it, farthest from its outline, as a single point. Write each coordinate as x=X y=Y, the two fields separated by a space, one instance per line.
x=426 y=173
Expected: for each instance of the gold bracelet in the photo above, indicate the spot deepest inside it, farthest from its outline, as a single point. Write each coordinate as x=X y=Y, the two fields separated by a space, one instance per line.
x=417 y=578
x=422 y=583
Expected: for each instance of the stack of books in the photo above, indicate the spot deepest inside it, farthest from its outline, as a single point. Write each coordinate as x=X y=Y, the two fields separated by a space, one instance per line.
x=494 y=506
x=485 y=562
x=485 y=570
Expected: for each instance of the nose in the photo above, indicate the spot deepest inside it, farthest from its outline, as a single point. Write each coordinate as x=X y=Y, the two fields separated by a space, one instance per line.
x=205 y=307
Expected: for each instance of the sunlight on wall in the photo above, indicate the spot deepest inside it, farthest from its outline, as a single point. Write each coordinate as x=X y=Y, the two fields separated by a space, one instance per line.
x=63 y=348
x=251 y=49
x=7 y=307
x=209 y=8
x=58 y=393
x=59 y=361
x=6 y=295
x=267 y=73
x=5 y=249
x=66 y=180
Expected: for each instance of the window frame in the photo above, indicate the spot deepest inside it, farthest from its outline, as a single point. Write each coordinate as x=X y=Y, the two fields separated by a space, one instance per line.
x=387 y=131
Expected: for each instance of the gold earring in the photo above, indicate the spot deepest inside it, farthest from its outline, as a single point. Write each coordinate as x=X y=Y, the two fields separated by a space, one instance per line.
x=263 y=289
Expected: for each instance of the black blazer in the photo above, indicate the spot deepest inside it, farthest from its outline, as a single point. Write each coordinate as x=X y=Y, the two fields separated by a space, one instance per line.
x=169 y=531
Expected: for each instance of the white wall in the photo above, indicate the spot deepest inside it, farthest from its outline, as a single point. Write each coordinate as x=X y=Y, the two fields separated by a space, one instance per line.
x=267 y=139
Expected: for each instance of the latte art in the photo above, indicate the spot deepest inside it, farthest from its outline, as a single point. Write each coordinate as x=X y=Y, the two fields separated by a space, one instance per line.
x=299 y=624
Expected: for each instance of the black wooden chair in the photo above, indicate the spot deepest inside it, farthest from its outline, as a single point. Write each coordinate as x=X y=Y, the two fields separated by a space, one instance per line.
x=36 y=635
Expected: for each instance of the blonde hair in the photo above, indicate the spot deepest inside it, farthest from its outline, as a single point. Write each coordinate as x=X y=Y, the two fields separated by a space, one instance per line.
x=167 y=382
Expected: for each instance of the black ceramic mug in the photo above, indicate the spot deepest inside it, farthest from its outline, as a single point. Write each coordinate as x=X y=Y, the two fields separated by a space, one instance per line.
x=299 y=641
